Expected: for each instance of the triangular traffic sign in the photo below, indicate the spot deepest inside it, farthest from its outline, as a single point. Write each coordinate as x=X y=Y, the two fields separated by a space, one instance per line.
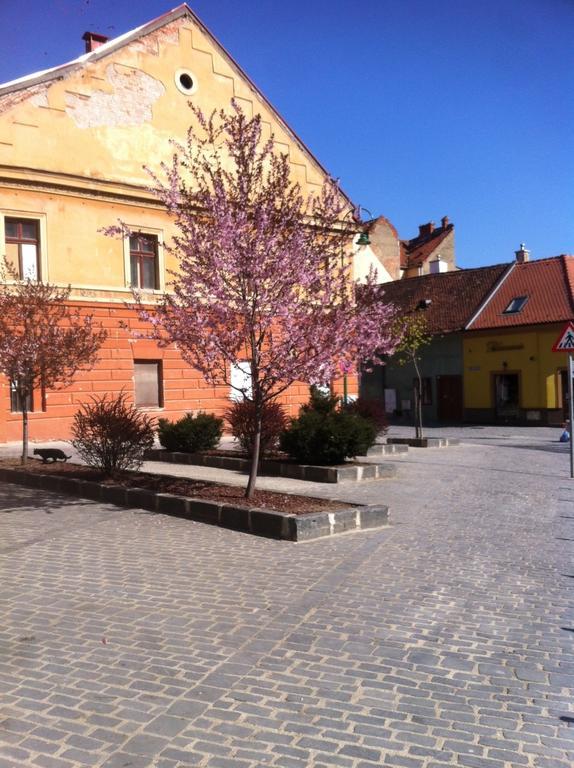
x=565 y=342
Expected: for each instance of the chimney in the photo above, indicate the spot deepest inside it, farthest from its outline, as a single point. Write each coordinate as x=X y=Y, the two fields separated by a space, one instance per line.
x=426 y=229
x=522 y=254
x=93 y=40
x=438 y=266
x=444 y=222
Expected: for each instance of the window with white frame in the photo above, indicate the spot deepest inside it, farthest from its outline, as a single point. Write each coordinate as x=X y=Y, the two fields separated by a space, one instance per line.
x=240 y=381
x=23 y=246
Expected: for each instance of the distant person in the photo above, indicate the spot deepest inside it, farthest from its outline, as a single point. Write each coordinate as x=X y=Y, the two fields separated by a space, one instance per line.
x=565 y=436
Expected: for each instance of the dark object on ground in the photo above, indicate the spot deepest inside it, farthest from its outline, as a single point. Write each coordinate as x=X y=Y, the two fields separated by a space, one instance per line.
x=54 y=454
x=112 y=435
x=241 y=419
x=201 y=432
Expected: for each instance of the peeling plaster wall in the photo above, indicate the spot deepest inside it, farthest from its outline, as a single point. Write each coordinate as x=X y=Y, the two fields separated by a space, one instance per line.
x=130 y=102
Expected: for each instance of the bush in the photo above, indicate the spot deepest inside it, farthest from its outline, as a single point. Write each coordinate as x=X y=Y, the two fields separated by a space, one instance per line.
x=201 y=432
x=327 y=438
x=241 y=419
x=320 y=402
x=112 y=435
x=370 y=410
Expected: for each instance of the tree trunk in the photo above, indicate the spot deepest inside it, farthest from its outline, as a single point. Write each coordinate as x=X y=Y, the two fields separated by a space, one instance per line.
x=256 y=450
x=24 y=432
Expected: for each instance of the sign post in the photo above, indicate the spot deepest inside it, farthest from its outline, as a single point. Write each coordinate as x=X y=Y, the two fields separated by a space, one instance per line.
x=565 y=343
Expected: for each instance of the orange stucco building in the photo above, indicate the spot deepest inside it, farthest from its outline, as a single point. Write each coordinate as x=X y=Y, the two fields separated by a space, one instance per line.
x=73 y=144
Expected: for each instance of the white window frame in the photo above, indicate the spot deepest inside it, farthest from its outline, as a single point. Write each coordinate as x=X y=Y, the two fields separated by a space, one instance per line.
x=240 y=381
x=158 y=233
x=41 y=221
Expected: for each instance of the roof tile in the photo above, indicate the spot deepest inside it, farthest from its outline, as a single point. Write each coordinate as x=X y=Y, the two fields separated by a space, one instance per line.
x=548 y=284
x=455 y=296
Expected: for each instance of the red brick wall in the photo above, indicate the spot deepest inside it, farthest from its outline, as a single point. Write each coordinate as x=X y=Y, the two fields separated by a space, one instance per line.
x=184 y=388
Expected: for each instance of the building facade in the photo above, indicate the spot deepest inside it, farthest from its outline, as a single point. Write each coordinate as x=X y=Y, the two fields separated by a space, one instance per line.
x=73 y=144
x=511 y=374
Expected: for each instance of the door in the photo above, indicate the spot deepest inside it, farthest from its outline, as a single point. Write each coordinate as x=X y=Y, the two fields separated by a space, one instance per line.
x=506 y=396
x=449 y=396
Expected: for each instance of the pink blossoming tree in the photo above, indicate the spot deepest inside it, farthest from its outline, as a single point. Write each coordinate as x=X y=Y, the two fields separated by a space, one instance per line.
x=43 y=341
x=264 y=270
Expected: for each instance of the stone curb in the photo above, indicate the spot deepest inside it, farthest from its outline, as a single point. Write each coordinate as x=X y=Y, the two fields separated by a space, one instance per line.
x=311 y=473
x=262 y=522
x=425 y=442
x=384 y=449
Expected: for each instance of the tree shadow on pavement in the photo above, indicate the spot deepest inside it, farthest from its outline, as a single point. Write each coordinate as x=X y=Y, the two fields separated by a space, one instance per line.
x=15 y=498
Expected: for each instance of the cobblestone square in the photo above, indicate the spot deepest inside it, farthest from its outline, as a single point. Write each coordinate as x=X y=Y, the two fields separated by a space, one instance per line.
x=135 y=639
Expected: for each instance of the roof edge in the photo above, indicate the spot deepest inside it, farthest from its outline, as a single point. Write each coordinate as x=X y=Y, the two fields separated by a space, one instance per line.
x=118 y=42
x=490 y=296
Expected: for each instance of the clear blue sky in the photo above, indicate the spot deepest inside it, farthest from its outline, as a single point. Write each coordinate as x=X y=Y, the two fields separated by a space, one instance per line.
x=421 y=108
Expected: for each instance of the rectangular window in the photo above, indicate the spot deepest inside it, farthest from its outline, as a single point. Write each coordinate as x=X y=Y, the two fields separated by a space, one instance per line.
x=516 y=305
x=148 y=378
x=426 y=393
x=23 y=247
x=16 y=402
x=240 y=381
x=143 y=261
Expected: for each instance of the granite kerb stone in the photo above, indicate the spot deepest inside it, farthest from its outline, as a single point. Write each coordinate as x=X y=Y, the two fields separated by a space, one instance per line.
x=424 y=442
x=309 y=472
x=261 y=522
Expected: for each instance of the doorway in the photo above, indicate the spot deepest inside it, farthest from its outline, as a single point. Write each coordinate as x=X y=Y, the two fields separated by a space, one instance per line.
x=449 y=397
x=506 y=396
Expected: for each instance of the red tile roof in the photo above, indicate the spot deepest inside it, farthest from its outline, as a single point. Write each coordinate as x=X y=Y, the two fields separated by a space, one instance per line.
x=454 y=296
x=548 y=284
x=416 y=251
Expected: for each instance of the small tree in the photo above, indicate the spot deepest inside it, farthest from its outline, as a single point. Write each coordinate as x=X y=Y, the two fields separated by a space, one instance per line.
x=413 y=332
x=263 y=272
x=43 y=341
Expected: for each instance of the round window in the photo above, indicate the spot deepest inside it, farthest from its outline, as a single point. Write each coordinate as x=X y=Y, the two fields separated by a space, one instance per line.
x=185 y=81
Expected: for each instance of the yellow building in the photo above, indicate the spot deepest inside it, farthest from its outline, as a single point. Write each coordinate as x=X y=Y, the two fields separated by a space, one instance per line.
x=511 y=373
x=73 y=143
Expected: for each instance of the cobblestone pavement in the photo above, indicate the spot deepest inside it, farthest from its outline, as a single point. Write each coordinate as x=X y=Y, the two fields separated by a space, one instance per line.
x=136 y=640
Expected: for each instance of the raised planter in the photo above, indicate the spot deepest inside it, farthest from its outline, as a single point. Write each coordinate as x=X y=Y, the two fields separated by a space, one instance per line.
x=384 y=449
x=424 y=442
x=350 y=473
x=262 y=522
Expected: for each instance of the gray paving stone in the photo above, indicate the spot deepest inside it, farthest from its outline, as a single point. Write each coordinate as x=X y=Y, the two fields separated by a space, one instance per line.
x=445 y=627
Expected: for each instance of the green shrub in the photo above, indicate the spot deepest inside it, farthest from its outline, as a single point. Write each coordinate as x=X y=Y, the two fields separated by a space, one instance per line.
x=327 y=438
x=189 y=434
x=112 y=435
x=241 y=419
x=320 y=402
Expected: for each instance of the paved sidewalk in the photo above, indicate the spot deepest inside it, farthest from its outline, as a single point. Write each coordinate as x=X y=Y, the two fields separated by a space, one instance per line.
x=133 y=639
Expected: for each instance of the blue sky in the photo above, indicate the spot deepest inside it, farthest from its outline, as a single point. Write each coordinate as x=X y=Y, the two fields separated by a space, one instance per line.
x=421 y=108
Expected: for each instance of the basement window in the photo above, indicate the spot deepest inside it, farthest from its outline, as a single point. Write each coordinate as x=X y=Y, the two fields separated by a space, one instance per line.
x=516 y=305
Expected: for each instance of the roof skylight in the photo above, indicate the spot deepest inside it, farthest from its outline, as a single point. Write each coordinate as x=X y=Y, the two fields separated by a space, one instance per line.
x=516 y=305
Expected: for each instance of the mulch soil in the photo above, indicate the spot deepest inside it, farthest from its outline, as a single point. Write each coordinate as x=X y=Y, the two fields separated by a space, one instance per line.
x=181 y=486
